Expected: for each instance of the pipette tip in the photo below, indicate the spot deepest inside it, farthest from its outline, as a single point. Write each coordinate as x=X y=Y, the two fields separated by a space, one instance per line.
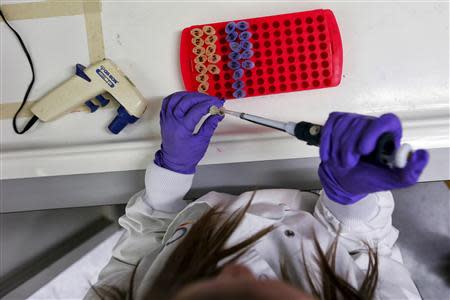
x=214 y=110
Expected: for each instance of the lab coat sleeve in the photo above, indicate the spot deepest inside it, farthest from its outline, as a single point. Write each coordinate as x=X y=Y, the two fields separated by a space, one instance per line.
x=369 y=223
x=147 y=217
x=366 y=222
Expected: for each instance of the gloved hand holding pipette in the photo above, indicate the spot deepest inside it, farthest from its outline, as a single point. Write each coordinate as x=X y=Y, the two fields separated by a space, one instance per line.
x=347 y=137
x=183 y=247
x=353 y=148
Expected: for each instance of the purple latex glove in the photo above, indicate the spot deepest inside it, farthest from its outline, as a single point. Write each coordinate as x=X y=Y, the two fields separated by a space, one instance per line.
x=346 y=137
x=181 y=149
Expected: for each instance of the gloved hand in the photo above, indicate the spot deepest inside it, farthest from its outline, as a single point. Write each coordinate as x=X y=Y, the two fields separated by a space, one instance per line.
x=346 y=137
x=181 y=150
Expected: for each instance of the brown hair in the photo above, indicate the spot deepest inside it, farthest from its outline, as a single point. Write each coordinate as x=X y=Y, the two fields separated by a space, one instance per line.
x=198 y=254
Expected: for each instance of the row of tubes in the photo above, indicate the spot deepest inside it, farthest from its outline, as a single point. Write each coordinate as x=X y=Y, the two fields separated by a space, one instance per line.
x=206 y=58
x=238 y=38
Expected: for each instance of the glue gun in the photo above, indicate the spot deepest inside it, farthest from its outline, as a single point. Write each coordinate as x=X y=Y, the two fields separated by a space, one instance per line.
x=89 y=83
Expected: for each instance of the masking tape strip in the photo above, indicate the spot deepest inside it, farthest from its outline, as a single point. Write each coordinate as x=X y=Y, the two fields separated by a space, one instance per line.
x=93 y=21
x=94 y=31
x=7 y=110
x=34 y=10
x=39 y=10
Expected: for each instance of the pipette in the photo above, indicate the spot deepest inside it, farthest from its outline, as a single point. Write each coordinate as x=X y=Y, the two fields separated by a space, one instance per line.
x=384 y=153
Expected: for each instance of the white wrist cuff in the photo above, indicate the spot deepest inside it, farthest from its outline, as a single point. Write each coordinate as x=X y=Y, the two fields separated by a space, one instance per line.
x=166 y=189
x=363 y=210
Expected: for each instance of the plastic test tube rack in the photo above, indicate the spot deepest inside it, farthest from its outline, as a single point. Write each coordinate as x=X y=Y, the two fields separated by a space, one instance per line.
x=261 y=56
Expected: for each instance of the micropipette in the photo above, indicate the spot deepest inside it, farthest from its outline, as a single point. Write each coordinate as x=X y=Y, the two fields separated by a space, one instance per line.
x=384 y=153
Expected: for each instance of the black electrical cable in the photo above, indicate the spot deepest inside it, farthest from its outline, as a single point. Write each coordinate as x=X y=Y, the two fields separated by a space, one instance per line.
x=30 y=85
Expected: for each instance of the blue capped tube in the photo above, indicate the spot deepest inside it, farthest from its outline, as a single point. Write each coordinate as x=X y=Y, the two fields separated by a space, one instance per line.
x=234 y=56
x=235 y=46
x=237 y=74
x=248 y=64
x=246 y=45
x=230 y=27
x=232 y=36
x=234 y=65
x=245 y=35
x=242 y=25
x=238 y=84
x=239 y=94
x=247 y=54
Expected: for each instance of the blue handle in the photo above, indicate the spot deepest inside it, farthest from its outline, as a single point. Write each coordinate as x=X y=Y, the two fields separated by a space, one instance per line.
x=122 y=119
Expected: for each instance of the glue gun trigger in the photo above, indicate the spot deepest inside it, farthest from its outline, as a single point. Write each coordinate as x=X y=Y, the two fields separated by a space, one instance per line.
x=102 y=100
x=92 y=105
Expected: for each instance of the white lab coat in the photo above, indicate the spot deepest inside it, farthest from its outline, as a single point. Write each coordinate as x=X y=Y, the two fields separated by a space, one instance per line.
x=158 y=217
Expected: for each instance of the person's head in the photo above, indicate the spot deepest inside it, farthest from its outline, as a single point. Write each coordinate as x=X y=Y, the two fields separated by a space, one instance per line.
x=195 y=269
x=238 y=283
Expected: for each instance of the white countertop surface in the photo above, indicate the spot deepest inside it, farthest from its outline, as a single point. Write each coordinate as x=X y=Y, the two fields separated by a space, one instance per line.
x=396 y=59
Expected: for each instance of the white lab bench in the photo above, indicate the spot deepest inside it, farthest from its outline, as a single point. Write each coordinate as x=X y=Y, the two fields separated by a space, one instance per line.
x=396 y=59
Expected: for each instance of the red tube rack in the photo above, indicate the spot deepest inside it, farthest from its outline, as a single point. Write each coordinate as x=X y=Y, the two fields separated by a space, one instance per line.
x=292 y=52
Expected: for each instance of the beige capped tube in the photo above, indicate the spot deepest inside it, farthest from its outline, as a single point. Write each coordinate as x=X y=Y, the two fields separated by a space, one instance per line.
x=213 y=69
x=198 y=50
x=203 y=87
x=211 y=39
x=202 y=77
x=214 y=58
x=196 y=32
x=201 y=59
x=198 y=42
x=210 y=50
x=201 y=68
x=209 y=30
